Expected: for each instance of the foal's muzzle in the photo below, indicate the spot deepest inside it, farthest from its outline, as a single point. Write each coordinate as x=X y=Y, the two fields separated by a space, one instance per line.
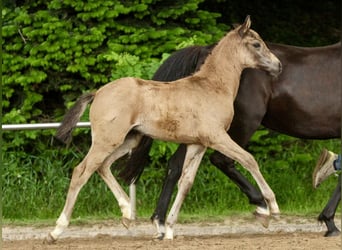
x=277 y=70
x=274 y=69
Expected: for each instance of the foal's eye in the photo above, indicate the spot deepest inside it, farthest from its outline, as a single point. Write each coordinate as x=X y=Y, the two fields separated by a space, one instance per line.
x=256 y=45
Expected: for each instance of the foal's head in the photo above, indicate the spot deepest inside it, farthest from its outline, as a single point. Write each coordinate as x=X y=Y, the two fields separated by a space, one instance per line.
x=255 y=52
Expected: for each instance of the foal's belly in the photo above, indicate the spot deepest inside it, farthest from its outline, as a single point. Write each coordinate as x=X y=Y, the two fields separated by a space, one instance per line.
x=169 y=130
x=187 y=131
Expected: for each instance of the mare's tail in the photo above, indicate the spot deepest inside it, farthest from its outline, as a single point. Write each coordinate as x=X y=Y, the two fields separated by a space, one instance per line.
x=72 y=117
x=139 y=159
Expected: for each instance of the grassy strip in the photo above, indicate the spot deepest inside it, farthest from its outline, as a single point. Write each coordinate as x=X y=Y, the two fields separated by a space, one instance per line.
x=35 y=186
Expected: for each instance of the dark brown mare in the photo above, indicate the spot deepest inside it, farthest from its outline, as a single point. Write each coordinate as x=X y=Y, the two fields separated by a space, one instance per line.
x=304 y=102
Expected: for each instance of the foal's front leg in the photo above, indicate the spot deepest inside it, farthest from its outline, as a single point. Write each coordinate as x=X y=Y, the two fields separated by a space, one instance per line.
x=227 y=166
x=175 y=166
x=192 y=161
x=225 y=145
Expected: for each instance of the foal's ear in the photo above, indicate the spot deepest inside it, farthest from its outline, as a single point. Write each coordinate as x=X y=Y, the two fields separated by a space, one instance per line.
x=245 y=27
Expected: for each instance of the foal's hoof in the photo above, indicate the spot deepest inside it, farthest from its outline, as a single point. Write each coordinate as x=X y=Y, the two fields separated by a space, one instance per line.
x=126 y=222
x=159 y=236
x=49 y=239
x=276 y=216
x=168 y=233
x=263 y=219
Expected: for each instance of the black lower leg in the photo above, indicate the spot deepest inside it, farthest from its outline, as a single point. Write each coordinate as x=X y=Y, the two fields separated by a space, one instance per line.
x=226 y=165
x=175 y=166
x=328 y=213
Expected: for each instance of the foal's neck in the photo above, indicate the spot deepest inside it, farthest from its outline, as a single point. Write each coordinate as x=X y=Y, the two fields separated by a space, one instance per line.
x=223 y=67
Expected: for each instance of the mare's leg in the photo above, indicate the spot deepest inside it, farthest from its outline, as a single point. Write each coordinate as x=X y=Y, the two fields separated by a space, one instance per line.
x=228 y=147
x=328 y=213
x=137 y=161
x=175 y=166
x=194 y=154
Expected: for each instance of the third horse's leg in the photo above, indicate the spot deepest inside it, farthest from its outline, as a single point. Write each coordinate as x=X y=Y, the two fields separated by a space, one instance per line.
x=328 y=213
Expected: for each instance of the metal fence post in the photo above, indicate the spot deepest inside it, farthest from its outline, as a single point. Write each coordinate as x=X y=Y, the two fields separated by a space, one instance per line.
x=132 y=197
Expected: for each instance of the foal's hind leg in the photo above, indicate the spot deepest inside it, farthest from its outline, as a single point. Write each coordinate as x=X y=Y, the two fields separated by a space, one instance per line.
x=80 y=176
x=114 y=186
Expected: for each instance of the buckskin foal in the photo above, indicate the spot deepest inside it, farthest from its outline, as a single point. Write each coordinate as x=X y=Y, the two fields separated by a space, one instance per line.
x=195 y=110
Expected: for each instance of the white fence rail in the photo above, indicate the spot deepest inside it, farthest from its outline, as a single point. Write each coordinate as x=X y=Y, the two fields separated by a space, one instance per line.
x=34 y=126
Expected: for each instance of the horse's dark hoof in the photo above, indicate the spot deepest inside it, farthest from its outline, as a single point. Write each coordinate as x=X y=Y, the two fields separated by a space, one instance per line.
x=263 y=219
x=126 y=222
x=332 y=233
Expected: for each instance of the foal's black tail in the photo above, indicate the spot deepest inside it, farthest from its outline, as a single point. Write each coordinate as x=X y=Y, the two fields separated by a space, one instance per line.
x=180 y=64
x=72 y=117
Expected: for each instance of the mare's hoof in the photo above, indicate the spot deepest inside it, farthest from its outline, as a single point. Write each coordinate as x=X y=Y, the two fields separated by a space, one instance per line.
x=126 y=222
x=332 y=233
x=49 y=239
x=263 y=219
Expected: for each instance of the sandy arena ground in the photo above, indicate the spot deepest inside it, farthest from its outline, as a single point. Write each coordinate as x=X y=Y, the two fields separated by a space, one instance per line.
x=243 y=233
